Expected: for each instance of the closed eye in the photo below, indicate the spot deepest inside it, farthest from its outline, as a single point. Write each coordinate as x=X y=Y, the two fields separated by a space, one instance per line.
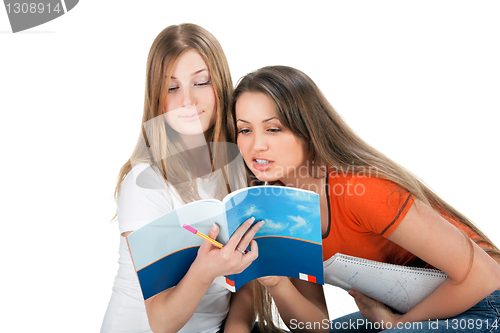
x=203 y=84
x=243 y=131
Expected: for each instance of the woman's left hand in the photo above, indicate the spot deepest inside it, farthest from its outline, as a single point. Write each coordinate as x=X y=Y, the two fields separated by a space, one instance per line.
x=375 y=311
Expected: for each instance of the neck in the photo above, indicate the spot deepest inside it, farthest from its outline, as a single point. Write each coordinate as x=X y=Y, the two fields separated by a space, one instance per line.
x=306 y=183
x=312 y=180
x=197 y=140
x=199 y=152
x=193 y=141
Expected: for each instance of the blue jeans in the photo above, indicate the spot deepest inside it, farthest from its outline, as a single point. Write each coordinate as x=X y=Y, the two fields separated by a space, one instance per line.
x=482 y=317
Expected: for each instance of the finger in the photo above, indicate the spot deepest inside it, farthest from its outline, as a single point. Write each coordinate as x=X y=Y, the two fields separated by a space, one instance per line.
x=236 y=237
x=360 y=298
x=245 y=260
x=364 y=301
x=245 y=241
x=212 y=233
x=251 y=255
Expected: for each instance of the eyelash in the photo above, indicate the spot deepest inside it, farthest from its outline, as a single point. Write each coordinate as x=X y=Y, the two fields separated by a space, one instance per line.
x=271 y=130
x=243 y=131
x=203 y=84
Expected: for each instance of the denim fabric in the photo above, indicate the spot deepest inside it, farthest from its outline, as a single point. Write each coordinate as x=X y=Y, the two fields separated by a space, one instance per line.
x=353 y=322
x=483 y=317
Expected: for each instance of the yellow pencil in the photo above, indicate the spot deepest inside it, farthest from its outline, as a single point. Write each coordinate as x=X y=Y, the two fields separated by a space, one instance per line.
x=205 y=237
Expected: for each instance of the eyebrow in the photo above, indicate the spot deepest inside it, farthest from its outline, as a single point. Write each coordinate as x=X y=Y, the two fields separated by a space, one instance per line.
x=263 y=121
x=195 y=73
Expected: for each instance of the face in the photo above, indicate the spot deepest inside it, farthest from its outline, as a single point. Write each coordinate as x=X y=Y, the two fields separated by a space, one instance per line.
x=271 y=151
x=190 y=105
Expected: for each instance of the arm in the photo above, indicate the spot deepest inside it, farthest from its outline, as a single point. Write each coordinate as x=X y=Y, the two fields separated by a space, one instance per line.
x=170 y=310
x=426 y=234
x=299 y=302
x=241 y=317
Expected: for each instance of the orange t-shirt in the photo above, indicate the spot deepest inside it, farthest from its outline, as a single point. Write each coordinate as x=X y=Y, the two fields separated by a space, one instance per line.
x=363 y=212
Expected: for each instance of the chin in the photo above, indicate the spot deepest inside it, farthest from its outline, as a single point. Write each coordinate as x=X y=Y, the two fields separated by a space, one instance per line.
x=190 y=130
x=266 y=178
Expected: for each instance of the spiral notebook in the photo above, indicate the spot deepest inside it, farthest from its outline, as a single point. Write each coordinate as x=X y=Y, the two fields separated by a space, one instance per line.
x=400 y=287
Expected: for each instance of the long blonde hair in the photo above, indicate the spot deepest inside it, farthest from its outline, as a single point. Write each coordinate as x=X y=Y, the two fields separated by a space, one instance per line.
x=302 y=108
x=153 y=144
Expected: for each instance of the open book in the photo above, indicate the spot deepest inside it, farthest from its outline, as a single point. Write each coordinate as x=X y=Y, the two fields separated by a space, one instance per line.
x=289 y=242
x=400 y=287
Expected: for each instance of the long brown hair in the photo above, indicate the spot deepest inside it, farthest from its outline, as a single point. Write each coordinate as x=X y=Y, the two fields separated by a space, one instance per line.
x=302 y=108
x=153 y=144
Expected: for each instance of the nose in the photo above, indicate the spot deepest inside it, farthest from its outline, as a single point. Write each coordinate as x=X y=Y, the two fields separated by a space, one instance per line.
x=187 y=98
x=260 y=142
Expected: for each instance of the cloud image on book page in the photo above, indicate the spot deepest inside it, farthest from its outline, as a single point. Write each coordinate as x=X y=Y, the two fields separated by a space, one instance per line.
x=286 y=212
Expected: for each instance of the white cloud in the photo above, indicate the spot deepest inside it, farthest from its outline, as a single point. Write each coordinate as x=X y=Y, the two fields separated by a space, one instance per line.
x=251 y=210
x=300 y=225
x=274 y=226
x=306 y=208
x=302 y=196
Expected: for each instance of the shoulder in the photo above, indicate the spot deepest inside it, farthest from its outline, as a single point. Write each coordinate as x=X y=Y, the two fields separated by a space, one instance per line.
x=144 y=176
x=359 y=186
x=141 y=182
x=143 y=196
x=372 y=202
x=374 y=185
x=376 y=192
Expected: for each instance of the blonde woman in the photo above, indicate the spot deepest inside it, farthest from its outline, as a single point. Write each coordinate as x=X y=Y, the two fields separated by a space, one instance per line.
x=177 y=160
x=370 y=207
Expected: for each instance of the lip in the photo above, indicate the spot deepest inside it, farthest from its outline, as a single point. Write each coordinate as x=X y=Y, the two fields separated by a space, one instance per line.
x=261 y=167
x=191 y=117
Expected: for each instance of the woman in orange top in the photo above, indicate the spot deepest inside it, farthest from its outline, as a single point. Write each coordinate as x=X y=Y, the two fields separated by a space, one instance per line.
x=370 y=207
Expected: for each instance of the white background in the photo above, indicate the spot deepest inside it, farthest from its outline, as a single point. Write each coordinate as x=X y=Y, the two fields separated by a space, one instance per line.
x=419 y=80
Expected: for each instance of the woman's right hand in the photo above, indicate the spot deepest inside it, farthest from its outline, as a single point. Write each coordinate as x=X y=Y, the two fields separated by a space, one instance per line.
x=271 y=281
x=375 y=311
x=213 y=262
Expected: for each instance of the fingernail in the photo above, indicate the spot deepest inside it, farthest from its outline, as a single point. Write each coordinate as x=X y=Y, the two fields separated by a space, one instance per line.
x=250 y=220
x=214 y=227
x=261 y=223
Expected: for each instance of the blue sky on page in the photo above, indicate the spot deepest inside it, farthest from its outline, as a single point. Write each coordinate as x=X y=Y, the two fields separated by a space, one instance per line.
x=287 y=212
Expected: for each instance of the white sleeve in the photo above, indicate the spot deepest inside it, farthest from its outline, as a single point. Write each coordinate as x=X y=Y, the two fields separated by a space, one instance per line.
x=143 y=197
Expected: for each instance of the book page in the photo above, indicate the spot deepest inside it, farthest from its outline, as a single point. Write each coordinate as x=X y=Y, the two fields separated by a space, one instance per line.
x=288 y=212
x=162 y=250
x=290 y=241
x=166 y=235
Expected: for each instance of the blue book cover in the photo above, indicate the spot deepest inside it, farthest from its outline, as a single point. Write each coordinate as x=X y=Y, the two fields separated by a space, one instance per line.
x=289 y=242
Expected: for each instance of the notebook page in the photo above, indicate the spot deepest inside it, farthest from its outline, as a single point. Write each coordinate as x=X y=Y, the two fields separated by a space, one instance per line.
x=399 y=287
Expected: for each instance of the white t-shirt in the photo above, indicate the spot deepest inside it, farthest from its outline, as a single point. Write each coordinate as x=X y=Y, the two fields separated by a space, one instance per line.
x=144 y=197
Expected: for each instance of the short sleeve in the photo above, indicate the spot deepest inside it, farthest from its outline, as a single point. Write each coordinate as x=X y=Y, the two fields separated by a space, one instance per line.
x=378 y=205
x=143 y=197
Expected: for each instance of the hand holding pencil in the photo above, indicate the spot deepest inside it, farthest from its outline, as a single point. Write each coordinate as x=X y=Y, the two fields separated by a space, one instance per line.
x=231 y=258
x=205 y=237
x=216 y=243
